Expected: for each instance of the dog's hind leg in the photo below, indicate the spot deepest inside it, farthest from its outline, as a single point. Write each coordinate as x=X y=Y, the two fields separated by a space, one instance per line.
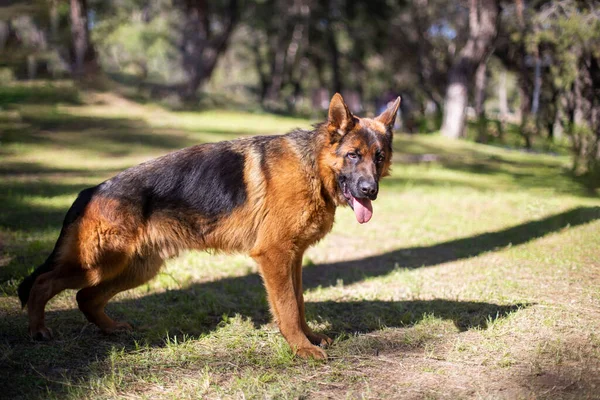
x=92 y=300
x=45 y=287
x=65 y=274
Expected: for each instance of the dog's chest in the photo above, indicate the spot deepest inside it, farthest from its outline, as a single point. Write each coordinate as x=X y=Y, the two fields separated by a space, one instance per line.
x=317 y=223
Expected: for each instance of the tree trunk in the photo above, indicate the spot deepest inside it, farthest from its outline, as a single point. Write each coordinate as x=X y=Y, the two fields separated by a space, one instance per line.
x=424 y=69
x=278 y=61
x=200 y=47
x=527 y=123
x=537 y=86
x=333 y=8
x=335 y=61
x=503 y=104
x=263 y=77
x=503 y=96
x=455 y=104
x=84 y=55
x=483 y=19
x=290 y=42
x=4 y=33
x=31 y=66
x=480 y=86
x=54 y=21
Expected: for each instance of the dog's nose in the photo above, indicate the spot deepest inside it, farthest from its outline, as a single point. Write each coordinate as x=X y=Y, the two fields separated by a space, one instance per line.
x=369 y=189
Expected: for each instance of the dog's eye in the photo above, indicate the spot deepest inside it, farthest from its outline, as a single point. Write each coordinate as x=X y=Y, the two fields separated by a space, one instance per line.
x=379 y=158
x=352 y=155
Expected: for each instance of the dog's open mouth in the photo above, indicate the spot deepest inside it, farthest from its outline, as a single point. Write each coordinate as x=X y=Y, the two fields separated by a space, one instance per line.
x=363 y=210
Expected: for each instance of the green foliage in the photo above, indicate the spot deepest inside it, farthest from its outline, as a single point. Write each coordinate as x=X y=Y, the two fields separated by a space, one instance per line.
x=140 y=42
x=569 y=35
x=44 y=93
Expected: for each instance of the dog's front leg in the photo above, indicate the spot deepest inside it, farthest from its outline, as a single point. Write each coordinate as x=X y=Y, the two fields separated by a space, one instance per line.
x=277 y=268
x=315 y=338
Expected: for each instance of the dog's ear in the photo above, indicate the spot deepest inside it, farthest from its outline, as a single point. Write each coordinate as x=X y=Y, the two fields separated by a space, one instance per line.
x=388 y=117
x=340 y=118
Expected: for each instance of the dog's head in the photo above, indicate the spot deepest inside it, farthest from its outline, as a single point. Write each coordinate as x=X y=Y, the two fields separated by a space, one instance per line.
x=362 y=150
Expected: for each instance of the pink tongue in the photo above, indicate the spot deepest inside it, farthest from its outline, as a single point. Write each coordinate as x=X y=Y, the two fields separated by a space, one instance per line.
x=362 y=209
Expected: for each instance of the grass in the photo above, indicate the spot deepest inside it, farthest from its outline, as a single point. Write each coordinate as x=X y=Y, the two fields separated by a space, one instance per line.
x=478 y=276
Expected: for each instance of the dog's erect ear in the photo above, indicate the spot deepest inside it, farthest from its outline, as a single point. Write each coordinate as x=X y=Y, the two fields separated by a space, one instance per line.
x=340 y=117
x=388 y=117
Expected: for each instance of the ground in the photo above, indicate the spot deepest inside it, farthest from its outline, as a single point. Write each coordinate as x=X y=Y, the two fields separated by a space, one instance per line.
x=478 y=276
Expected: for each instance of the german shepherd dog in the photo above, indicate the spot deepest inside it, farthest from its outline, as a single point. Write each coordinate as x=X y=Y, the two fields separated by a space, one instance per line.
x=268 y=196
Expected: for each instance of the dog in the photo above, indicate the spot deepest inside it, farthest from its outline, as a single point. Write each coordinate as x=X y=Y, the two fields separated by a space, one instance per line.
x=268 y=196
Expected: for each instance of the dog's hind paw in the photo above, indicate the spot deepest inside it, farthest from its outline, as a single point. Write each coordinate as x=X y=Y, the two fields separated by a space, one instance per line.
x=42 y=334
x=318 y=339
x=117 y=327
x=312 y=352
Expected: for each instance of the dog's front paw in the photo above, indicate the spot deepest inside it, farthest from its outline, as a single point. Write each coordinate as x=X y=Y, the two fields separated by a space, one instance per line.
x=312 y=352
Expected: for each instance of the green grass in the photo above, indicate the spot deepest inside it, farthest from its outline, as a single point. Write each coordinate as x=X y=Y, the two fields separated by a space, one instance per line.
x=478 y=276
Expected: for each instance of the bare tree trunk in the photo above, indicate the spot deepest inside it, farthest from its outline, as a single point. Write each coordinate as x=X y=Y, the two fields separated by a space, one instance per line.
x=526 y=128
x=78 y=31
x=296 y=82
x=480 y=86
x=576 y=122
x=200 y=47
x=263 y=77
x=278 y=62
x=537 y=85
x=503 y=96
x=526 y=90
x=288 y=47
x=54 y=20
x=31 y=66
x=335 y=62
x=4 y=33
x=455 y=104
x=333 y=8
x=84 y=56
x=424 y=69
x=503 y=104
x=483 y=18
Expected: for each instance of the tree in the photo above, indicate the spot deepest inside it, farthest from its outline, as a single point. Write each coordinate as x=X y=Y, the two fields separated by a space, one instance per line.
x=84 y=54
x=205 y=33
x=483 y=19
x=569 y=34
x=479 y=99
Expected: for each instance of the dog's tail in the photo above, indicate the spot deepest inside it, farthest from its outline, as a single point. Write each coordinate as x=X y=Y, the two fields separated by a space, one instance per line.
x=25 y=286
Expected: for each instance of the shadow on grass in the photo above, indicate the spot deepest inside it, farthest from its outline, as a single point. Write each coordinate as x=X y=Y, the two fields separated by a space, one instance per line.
x=424 y=256
x=33 y=370
x=17 y=215
x=99 y=135
x=199 y=308
x=524 y=173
